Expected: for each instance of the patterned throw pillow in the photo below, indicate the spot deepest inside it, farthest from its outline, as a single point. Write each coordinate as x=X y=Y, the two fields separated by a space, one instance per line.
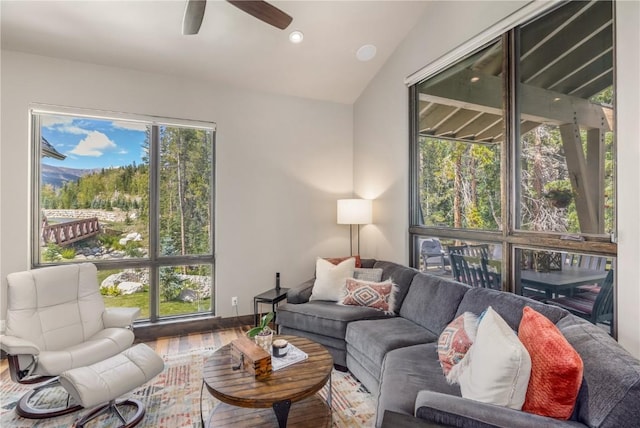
x=371 y=275
x=377 y=295
x=556 y=367
x=455 y=340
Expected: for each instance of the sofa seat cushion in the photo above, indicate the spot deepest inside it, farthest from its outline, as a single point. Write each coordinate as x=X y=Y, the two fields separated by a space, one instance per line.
x=610 y=390
x=324 y=318
x=374 y=338
x=432 y=301
x=508 y=305
x=104 y=344
x=407 y=371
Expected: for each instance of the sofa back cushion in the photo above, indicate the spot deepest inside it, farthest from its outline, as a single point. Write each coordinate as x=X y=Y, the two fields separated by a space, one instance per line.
x=432 y=302
x=508 y=305
x=367 y=263
x=610 y=390
x=400 y=275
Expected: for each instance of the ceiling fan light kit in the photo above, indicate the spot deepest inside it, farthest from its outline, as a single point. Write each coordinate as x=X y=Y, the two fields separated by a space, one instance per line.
x=194 y=13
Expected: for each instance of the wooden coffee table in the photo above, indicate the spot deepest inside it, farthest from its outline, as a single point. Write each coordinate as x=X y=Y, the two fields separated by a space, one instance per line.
x=247 y=401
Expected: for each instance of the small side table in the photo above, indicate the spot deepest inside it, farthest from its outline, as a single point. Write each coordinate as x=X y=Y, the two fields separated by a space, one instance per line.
x=272 y=297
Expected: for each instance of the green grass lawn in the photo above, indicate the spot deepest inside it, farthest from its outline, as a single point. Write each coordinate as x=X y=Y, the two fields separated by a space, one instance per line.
x=141 y=300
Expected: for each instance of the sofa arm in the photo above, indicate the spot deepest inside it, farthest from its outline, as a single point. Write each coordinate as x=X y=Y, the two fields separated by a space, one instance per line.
x=301 y=293
x=13 y=345
x=119 y=317
x=456 y=411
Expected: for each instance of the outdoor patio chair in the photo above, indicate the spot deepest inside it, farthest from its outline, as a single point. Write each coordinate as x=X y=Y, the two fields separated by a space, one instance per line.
x=467 y=271
x=432 y=254
x=478 y=250
x=596 y=310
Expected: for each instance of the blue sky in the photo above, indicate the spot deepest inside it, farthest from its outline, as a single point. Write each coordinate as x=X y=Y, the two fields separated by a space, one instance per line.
x=93 y=143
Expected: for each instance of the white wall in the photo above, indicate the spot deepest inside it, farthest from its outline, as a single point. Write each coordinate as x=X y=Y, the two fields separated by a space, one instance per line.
x=381 y=138
x=281 y=164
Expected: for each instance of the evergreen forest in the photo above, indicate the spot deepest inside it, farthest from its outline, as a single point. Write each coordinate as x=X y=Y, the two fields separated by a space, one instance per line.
x=460 y=186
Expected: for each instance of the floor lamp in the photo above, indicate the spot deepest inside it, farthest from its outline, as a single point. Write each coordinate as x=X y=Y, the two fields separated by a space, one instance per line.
x=354 y=211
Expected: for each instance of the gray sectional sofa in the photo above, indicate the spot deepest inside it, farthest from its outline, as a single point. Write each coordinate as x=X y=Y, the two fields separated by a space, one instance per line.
x=395 y=356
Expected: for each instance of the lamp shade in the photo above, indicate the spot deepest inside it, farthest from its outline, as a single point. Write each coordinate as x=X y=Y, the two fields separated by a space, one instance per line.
x=354 y=211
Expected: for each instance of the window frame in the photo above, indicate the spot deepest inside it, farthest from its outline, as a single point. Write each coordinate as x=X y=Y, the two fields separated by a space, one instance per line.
x=153 y=261
x=510 y=237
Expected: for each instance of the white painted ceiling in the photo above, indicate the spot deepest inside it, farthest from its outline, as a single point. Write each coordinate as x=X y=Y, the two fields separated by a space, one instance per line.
x=232 y=47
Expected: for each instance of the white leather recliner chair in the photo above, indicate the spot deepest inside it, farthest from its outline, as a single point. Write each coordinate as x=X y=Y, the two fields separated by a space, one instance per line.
x=57 y=321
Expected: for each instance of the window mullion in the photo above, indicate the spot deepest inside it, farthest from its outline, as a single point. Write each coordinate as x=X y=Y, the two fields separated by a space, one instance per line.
x=154 y=215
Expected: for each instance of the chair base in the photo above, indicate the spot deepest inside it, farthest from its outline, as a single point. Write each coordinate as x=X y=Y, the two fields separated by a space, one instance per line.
x=24 y=409
x=112 y=407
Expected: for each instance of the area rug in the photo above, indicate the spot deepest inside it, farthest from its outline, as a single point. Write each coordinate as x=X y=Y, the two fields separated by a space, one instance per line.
x=172 y=399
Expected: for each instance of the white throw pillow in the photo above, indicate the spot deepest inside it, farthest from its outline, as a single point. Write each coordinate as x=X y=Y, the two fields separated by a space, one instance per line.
x=497 y=366
x=331 y=279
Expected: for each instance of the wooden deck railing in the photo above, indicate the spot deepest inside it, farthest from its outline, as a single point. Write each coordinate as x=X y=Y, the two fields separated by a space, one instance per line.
x=69 y=232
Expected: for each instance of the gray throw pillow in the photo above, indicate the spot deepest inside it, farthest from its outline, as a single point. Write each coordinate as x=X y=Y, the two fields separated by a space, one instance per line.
x=371 y=275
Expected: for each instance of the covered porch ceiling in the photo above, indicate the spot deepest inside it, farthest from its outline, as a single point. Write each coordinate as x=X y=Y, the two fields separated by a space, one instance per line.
x=566 y=58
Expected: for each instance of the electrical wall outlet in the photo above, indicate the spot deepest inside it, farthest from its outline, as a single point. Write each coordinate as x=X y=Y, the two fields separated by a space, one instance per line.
x=234 y=301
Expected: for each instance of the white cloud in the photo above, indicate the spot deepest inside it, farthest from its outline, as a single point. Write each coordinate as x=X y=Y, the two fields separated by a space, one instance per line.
x=70 y=129
x=95 y=144
x=123 y=152
x=48 y=121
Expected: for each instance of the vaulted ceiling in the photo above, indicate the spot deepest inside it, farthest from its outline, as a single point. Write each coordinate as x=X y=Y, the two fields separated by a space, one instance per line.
x=232 y=47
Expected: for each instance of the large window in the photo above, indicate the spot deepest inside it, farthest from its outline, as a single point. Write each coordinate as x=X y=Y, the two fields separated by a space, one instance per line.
x=513 y=161
x=135 y=197
x=460 y=131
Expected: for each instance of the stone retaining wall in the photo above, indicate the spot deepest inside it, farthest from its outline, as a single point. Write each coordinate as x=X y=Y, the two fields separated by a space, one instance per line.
x=109 y=216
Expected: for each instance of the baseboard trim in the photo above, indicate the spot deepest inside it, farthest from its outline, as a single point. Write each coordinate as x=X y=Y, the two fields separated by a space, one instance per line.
x=146 y=332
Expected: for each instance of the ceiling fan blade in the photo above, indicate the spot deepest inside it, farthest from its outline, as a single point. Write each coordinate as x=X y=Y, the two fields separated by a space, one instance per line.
x=193 y=14
x=264 y=12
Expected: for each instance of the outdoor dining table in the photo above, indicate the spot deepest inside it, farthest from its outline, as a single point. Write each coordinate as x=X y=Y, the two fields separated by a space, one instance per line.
x=564 y=281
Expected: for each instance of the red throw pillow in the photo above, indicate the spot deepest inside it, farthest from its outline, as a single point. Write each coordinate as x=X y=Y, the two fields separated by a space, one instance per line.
x=556 y=368
x=377 y=295
x=338 y=260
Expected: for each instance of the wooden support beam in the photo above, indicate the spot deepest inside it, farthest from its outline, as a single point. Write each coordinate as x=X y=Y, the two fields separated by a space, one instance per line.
x=579 y=174
x=595 y=166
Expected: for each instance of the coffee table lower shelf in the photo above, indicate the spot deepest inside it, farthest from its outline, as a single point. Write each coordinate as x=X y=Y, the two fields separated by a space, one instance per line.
x=313 y=411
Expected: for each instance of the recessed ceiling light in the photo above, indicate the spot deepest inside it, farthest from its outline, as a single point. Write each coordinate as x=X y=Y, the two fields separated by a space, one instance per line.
x=366 y=52
x=296 y=37
x=474 y=79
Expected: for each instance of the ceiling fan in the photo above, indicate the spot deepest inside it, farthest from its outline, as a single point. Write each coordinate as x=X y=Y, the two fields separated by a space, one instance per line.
x=194 y=12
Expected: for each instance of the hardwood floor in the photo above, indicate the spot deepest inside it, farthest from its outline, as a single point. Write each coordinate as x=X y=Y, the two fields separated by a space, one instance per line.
x=175 y=344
